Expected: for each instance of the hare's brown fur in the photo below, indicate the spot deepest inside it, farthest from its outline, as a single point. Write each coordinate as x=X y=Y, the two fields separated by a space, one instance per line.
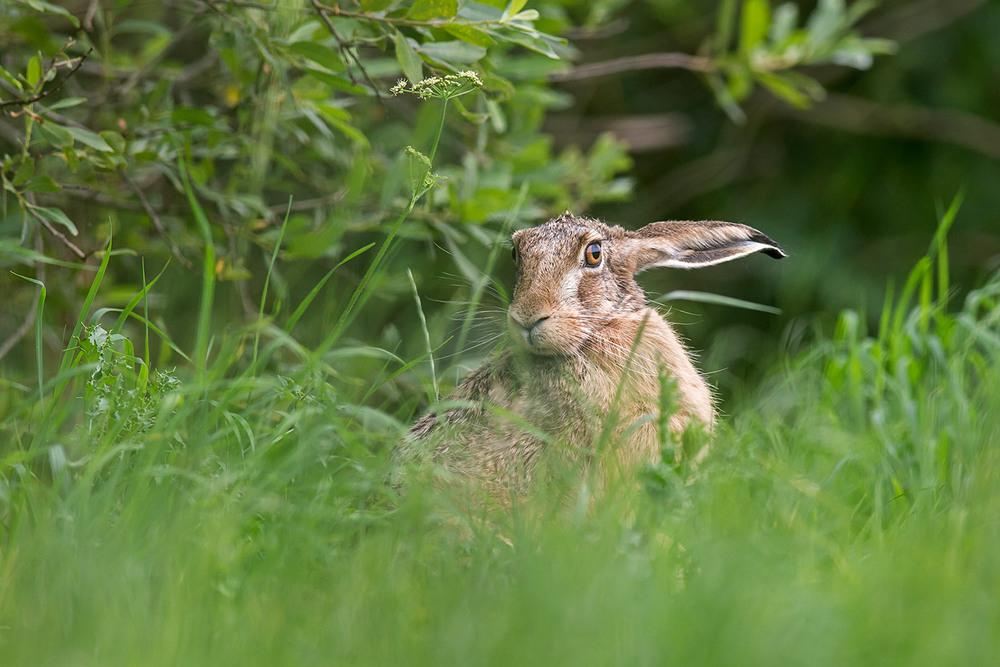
x=584 y=345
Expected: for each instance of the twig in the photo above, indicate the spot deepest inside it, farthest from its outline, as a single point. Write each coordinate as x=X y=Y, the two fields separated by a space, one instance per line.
x=25 y=327
x=636 y=63
x=16 y=337
x=88 y=18
x=151 y=212
x=348 y=54
x=45 y=93
x=55 y=232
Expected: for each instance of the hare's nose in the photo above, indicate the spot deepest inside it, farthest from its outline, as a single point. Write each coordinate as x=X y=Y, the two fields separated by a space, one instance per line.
x=537 y=323
x=528 y=328
x=531 y=330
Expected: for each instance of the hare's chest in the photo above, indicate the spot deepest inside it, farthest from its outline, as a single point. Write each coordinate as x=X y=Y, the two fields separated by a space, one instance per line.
x=569 y=406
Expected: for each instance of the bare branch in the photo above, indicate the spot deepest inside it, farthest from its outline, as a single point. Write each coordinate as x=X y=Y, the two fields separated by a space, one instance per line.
x=941 y=125
x=59 y=235
x=636 y=63
x=88 y=19
x=151 y=212
x=21 y=332
x=348 y=54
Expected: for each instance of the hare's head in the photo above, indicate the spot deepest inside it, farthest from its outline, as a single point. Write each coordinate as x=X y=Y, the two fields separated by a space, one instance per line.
x=575 y=276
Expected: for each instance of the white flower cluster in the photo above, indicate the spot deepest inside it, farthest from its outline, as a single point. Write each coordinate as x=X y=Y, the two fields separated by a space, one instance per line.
x=441 y=87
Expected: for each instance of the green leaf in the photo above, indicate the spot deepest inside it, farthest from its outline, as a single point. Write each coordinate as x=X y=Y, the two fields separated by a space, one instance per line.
x=190 y=115
x=786 y=17
x=66 y=103
x=783 y=88
x=754 y=23
x=527 y=16
x=320 y=54
x=725 y=99
x=34 y=72
x=49 y=8
x=24 y=173
x=537 y=45
x=423 y=10
x=479 y=11
x=453 y=52
x=471 y=116
x=72 y=160
x=408 y=59
x=371 y=6
x=88 y=138
x=515 y=6
x=739 y=84
x=56 y=216
x=9 y=250
x=43 y=183
x=115 y=140
x=57 y=134
x=825 y=21
x=470 y=34
x=11 y=79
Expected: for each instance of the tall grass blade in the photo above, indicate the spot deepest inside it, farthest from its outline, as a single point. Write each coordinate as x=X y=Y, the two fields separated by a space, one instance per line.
x=346 y=315
x=95 y=285
x=295 y=316
x=427 y=338
x=477 y=292
x=940 y=244
x=139 y=296
x=208 y=274
x=267 y=281
x=716 y=299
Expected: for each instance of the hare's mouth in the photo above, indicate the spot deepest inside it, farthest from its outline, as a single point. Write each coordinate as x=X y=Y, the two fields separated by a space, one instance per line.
x=544 y=336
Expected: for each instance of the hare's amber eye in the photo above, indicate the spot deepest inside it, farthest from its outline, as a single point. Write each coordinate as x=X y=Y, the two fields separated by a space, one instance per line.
x=593 y=254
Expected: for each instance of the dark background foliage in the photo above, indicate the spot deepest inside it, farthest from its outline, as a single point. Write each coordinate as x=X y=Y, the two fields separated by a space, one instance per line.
x=852 y=186
x=264 y=104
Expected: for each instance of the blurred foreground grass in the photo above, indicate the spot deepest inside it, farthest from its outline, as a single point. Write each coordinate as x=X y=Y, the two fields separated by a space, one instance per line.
x=849 y=514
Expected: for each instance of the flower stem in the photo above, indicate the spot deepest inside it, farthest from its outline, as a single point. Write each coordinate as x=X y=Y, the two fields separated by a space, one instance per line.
x=437 y=137
x=345 y=316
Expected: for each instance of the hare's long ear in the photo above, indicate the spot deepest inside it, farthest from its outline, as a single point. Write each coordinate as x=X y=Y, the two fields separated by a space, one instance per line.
x=689 y=245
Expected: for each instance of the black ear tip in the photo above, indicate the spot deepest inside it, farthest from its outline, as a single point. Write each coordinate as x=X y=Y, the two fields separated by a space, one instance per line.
x=771 y=248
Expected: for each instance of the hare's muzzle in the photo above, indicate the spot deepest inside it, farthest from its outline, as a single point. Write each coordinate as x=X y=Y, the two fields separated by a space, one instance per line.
x=526 y=330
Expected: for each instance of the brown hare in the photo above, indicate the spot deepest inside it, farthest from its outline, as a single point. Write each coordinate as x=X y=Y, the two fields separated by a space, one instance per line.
x=584 y=345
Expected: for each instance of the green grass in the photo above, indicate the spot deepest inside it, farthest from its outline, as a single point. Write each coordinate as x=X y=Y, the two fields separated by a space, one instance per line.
x=849 y=513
